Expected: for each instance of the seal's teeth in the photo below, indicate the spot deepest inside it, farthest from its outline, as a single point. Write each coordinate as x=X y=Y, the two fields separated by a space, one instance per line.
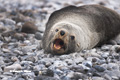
x=57 y=46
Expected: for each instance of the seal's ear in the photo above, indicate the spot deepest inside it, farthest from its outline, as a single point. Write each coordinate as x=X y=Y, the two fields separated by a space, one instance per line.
x=72 y=37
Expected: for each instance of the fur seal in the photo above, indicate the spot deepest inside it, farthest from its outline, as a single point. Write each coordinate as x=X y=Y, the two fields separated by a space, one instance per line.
x=72 y=29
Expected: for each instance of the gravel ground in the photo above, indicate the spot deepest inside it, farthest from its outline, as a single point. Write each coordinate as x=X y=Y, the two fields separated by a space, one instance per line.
x=21 y=57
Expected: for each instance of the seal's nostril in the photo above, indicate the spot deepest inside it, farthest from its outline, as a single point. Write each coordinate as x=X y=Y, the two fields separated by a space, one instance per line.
x=62 y=33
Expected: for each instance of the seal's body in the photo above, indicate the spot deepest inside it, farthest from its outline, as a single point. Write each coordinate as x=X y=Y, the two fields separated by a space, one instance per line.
x=73 y=29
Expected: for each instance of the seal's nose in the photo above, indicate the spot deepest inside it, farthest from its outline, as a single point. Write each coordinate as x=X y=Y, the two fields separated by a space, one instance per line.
x=62 y=32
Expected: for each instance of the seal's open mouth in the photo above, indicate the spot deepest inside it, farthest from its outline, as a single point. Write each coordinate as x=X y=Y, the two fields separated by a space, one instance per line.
x=58 y=44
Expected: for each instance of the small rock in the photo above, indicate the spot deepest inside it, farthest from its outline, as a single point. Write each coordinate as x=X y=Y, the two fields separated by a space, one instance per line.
x=21 y=18
x=2 y=9
x=69 y=61
x=63 y=57
x=20 y=79
x=105 y=66
x=28 y=75
x=29 y=27
x=2 y=29
x=97 y=78
x=58 y=71
x=99 y=68
x=105 y=47
x=38 y=36
x=19 y=36
x=115 y=48
x=79 y=68
x=107 y=77
x=14 y=59
x=113 y=66
x=94 y=59
x=59 y=64
x=96 y=74
x=49 y=72
x=65 y=78
x=45 y=78
x=30 y=58
x=8 y=73
x=6 y=50
x=27 y=49
x=105 y=54
x=18 y=52
x=41 y=29
x=26 y=62
x=12 y=67
x=47 y=61
x=78 y=60
x=8 y=33
x=1 y=70
x=27 y=42
x=115 y=78
x=39 y=67
x=9 y=23
x=78 y=76
x=113 y=73
x=70 y=75
x=87 y=63
x=1 y=60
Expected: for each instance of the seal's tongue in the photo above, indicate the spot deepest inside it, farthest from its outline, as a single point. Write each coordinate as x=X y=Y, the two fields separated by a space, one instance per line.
x=58 y=44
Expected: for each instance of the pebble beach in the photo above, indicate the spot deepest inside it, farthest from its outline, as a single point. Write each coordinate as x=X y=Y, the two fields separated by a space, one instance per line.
x=21 y=55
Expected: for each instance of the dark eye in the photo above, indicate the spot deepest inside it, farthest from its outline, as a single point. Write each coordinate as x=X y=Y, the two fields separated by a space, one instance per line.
x=56 y=30
x=72 y=37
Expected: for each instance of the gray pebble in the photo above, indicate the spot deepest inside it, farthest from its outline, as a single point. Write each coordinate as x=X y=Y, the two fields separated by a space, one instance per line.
x=63 y=57
x=59 y=64
x=1 y=60
x=41 y=29
x=6 y=50
x=79 y=68
x=18 y=52
x=65 y=78
x=20 y=79
x=14 y=59
x=97 y=78
x=8 y=73
x=45 y=78
x=9 y=23
x=70 y=75
x=105 y=47
x=12 y=67
x=78 y=60
x=27 y=49
x=99 y=68
x=38 y=36
x=69 y=61
x=87 y=63
x=39 y=67
x=27 y=42
x=30 y=58
x=113 y=73
x=113 y=66
x=47 y=61
x=105 y=54
x=28 y=75
x=106 y=76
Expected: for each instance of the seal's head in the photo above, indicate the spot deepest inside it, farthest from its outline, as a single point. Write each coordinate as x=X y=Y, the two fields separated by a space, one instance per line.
x=61 y=39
